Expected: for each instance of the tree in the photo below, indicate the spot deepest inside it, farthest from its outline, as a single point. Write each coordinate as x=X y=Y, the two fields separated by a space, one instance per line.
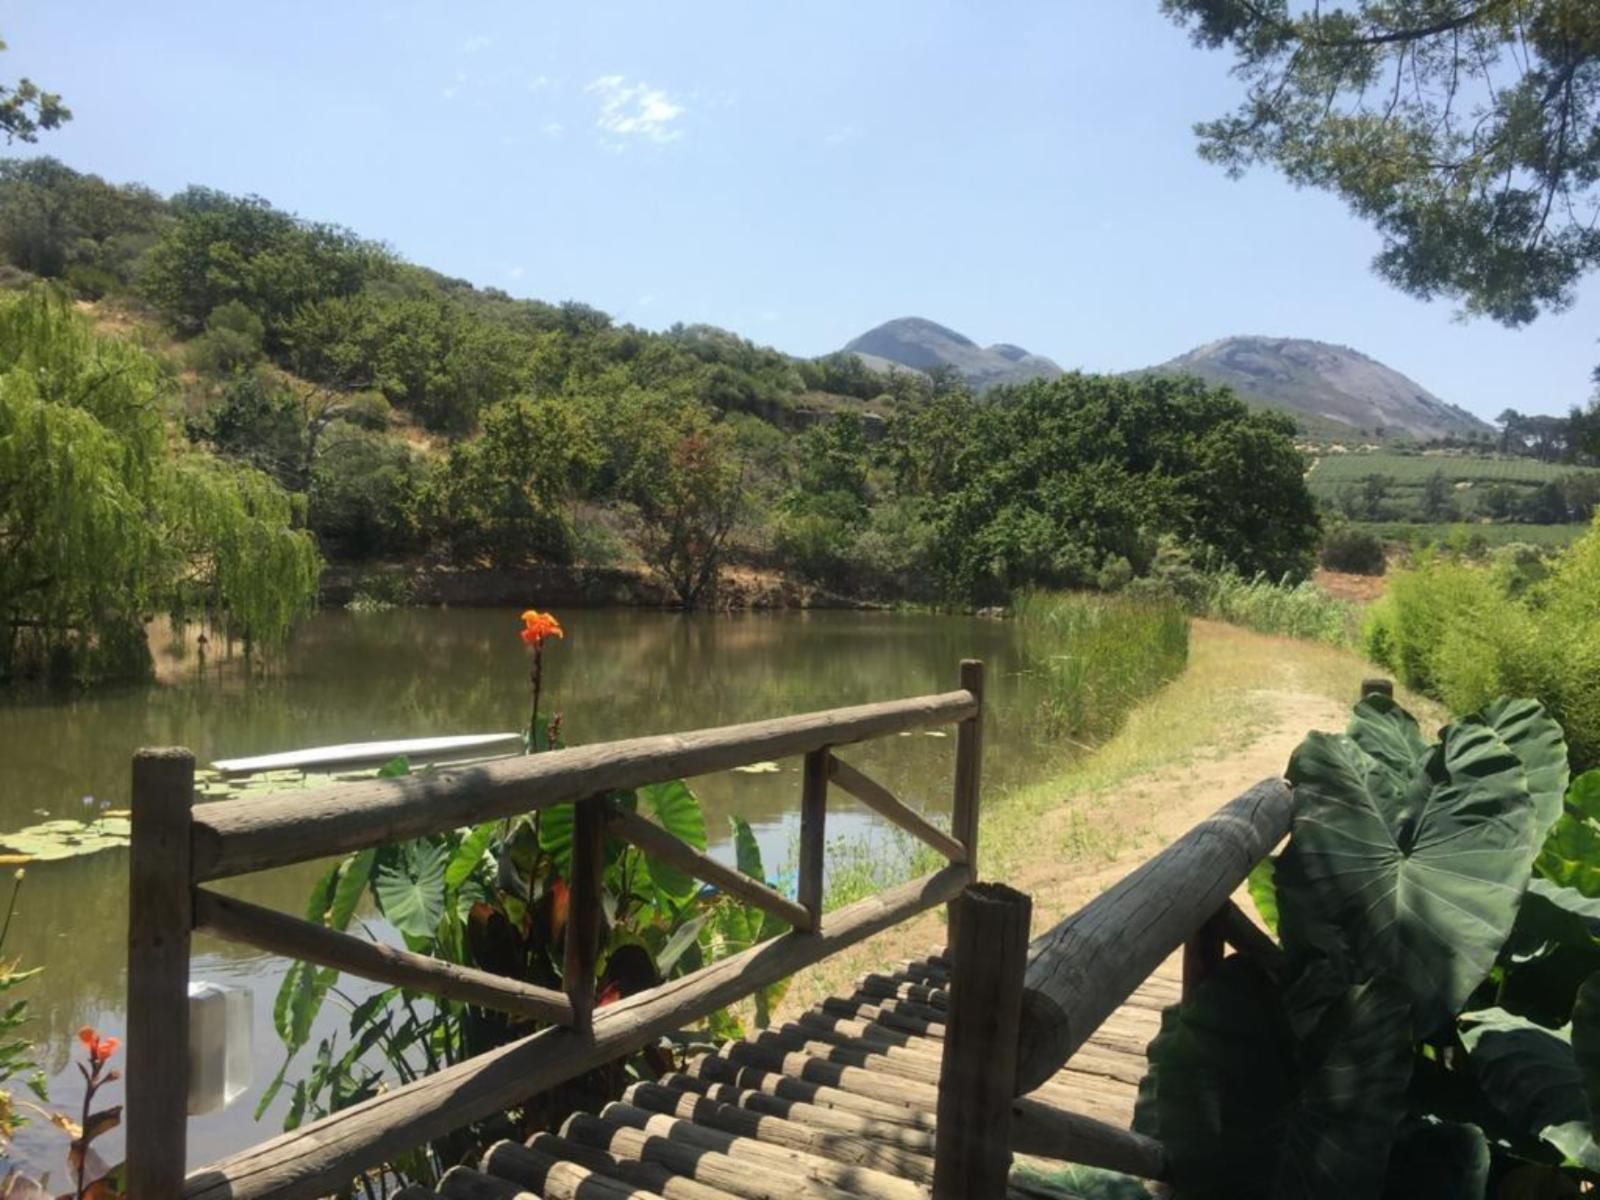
x=688 y=485
x=1466 y=131
x=1438 y=502
x=26 y=108
x=104 y=519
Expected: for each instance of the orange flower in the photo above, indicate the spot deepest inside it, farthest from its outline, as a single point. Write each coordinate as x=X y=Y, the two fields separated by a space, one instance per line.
x=536 y=626
x=100 y=1049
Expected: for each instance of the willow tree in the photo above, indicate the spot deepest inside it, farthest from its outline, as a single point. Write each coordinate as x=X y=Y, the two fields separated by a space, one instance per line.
x=106 y=517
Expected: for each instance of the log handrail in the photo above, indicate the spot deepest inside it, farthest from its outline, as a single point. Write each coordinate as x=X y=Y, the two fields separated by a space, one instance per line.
x=235 y=837
x=279 y=933
x=320 y=1157
x=657 y=842
x=1088 y=965
x=883 y=802
x=177 y=846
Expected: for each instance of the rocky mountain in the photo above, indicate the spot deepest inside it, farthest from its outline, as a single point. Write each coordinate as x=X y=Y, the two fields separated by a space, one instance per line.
x=920 y=345
x=1325 y=384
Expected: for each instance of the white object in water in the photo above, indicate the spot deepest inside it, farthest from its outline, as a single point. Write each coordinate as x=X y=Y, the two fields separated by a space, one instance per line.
x=322 y=758
x=221 y=1045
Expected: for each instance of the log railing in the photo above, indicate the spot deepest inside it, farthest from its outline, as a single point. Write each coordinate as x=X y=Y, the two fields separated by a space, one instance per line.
x=177 y=846
x=1015 y=1018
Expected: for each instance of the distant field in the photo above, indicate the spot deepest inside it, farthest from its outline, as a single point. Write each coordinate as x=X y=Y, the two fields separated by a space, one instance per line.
x=1495 y=535
x=1333 y=471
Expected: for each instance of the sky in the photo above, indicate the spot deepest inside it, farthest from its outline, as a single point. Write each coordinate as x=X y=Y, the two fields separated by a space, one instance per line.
x=1020 y=170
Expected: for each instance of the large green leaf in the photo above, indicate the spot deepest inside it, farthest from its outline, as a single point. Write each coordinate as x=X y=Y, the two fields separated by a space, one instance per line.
x=746 y=850
x=469 y=853
x=1389 y=734
x=1571 y=852
x=676 y=810
x=1438 y=1160
x=1246 y=1110
x=1531 y=1076
x=1263 y=889
x=1421 y=877
x=1586 y=1044
x=410 y=888
x=1536 y=739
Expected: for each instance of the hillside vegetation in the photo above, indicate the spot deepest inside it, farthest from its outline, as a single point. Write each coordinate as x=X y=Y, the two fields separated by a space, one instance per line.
x=416 y=417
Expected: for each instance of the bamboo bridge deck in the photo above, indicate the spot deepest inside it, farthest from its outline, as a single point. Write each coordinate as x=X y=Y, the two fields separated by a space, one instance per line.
x=839 y=1103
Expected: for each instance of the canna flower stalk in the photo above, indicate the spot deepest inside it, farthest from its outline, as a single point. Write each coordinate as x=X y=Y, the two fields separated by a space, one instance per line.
x=536 y=628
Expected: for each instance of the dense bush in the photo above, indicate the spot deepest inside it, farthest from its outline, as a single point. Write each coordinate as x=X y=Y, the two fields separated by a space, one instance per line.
x=1353 y=550
x=1466 y=632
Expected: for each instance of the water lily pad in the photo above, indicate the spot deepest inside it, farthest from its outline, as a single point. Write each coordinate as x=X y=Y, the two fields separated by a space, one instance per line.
x=760 y=768
x=55 y=840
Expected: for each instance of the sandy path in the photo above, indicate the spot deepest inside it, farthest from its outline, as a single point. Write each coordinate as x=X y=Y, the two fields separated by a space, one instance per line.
x=1269 y=693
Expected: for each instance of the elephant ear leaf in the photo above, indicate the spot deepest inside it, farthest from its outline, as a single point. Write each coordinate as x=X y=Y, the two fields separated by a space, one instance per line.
x=1421 y=878
x=1586 y=1045
x=1438 y=1160
x=1243 y=1111
x=1389 y=734
x=1532 y=1077
x=1536 y=739
x=1571 y=853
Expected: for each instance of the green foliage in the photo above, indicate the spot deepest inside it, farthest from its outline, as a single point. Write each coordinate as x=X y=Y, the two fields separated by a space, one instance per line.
x=1042 y=484
x=26 y=109
x=1467 y=632
x=1480 y=168
x=232 y=341
x=103 y=519
x=1406 y=911
x=223 y=248
x=1299 y=610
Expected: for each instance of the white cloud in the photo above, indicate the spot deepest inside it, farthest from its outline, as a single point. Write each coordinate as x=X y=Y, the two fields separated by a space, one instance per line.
x=635 y=110
x=538 y=83
x=552 y=129
x=477 y=43
x=842 y=135
x=515 y=272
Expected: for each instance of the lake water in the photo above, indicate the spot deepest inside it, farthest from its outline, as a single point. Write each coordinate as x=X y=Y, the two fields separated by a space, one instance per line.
x=361 y=677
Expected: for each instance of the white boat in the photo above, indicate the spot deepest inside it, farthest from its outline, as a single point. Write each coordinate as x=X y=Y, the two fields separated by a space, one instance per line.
x=366 y=754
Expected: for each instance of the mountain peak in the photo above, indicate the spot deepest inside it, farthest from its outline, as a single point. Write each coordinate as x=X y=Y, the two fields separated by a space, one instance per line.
x=919 y=344
x=1325 y=381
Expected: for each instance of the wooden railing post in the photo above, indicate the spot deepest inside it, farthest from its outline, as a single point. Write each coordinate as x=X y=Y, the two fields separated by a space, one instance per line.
x=969 y=766
x=972 y=1145
x=813 y=835
x=1203 y=952
x=582 y=950
x=1377 y=686
x=160 y=918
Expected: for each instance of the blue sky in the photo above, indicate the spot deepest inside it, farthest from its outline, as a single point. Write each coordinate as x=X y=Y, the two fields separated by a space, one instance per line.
x=797 y=172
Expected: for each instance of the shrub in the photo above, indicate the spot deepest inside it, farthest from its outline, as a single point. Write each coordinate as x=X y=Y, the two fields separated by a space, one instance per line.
x=1353 y=550
x=1299 y=610
x=1465 y=632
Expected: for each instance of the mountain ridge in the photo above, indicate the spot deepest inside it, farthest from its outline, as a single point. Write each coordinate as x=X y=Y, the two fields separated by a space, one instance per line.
x=1329 y=387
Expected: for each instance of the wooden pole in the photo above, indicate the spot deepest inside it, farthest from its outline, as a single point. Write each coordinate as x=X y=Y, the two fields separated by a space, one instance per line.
x=582 y=950
x=1202 y=953
x=969 y=765
x=160 y=919
x=1377 y=687
x=969 y=769
x=813 y=835
x=972 y=1145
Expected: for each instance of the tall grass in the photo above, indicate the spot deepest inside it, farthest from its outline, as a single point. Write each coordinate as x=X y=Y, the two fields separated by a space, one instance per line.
x=1300 y=610
x=1100 y=655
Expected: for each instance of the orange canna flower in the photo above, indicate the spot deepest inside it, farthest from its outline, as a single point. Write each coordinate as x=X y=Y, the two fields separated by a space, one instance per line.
x=536 y=626
x=100 y=1049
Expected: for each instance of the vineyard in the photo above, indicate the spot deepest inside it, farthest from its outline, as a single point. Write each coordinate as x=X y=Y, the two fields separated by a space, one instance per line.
x=1413 y=470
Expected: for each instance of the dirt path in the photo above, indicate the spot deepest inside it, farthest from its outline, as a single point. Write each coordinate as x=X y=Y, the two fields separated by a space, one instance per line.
x=1231 y=720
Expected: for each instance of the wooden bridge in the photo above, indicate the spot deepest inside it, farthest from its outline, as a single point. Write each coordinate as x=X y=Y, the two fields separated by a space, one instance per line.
x=926 y=1081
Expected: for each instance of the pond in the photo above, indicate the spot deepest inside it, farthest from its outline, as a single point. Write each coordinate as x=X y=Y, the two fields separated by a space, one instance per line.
x=411 y=673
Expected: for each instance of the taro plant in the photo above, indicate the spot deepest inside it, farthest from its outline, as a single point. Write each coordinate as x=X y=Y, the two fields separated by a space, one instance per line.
x=495 y=897
x=1430 y=1023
